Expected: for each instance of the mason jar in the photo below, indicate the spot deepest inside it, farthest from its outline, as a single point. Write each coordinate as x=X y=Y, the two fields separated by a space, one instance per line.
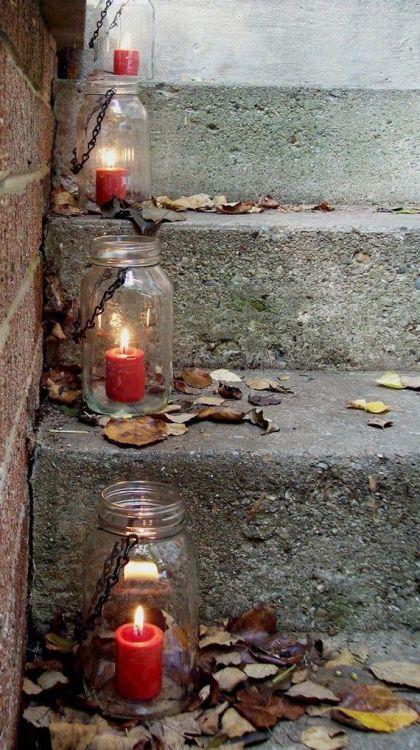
x=126 y=323
x=118 y=165
x=125 y=42
x=140 y=603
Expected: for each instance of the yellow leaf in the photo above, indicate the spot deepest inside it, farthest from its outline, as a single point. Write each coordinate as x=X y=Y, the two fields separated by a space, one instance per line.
x=390 y=380
x=387 y=721
x=373 y=407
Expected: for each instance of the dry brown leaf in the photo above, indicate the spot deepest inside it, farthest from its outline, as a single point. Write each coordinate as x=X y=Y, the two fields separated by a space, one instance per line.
x=229 y=391
x=266 y=384
x=39 y=716
x=30 y=688
x=411 y=382
x=380 y=422
x=57 y=332
x=229 y=659
x=372 y=407
x=209 y=400
x=55 y=642
x=360 y=650
x=257 y=399
x=61 y=197
x=267 y=201
x=323 y=207
x=265 y=709
x=72 y=736
x=51 y=679
x=195 y=377
x=209 y=721
x=219 y=200
x=229 y=678
x=312 y=693
x=255 y=624
x=390 y=380
x=181 y=418
x=169 y=409
x=62 y=384
x=239 y=207
x=67 y=211
x=316 y=711
x=199 y=202
x=137 y=432
x=219 y=638
x=344 y=658
x=225 y=376
x=176 y=429
x=180 y=386
x=374 y=707
x=405 y=673
x=260 y=671
x=234 y=725
x=299 y=676
x=324 y=738
x=256 y=416
x=220 y=414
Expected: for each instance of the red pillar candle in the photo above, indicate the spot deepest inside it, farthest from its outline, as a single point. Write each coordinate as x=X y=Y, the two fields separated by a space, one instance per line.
x=138 y=659
x=124 y=372
x=126 y=62
x=110 y=182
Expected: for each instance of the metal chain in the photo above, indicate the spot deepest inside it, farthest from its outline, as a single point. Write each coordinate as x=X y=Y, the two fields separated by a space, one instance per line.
x=76 y=166
x=80 y=332
x=113 y=565
x=113 y=24
x=100 y=23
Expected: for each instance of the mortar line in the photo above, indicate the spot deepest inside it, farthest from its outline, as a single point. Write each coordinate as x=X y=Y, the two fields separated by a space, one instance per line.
x=14 y=307
x=15 y=184
x=13 y=56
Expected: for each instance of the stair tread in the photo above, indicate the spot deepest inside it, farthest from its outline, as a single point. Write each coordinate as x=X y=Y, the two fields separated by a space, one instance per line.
x=314 y=422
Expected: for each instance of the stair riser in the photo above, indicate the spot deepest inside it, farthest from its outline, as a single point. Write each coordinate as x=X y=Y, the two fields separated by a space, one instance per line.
x=316 y=548
x=301 y=144
x=255 y=295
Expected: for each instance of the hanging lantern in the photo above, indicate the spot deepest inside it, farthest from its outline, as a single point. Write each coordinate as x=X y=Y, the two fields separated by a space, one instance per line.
x=140 y=603
x=126 y=328
x=124 y=38
x=112 y=155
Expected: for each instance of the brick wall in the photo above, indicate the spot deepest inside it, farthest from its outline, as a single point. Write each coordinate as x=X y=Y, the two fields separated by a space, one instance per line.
x=27 y=66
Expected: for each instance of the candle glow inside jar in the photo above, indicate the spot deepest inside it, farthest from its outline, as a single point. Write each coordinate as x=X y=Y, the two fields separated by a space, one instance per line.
x=111 y=180
x=138 y=656
x=125 y=46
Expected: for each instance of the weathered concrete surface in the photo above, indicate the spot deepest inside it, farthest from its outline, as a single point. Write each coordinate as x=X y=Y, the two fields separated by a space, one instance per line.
x=301 y=144
x=319 y=43
x=322 y=547
x=305 y=289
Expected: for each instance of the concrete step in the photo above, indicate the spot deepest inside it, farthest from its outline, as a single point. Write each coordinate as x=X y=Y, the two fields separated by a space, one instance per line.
x=301 y=144
x=290 y=518
x=304 y=289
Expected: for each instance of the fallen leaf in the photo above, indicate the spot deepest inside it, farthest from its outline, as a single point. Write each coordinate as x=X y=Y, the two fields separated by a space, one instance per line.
x=179 y=418
x=229 y=677
x=264 y=384
x=405 y=673
x=62 y=384
x=344 y=658
x=231 y=658
x=72 y=736
x=373 y=407
x=158 y=215
x=180 y=386
x=256 y=416
x=260 y=671
x=312 y=692
x=411 y=382
x=255 y=624
x=62 y=197
x=67 y=211
x=239 y=207
x=299 y=676
x=51 y=679
x=390 y=380
x=264 y=709
x=225 y=376
x=234 y=725
x=137 y=432
x=360 y=651
x=270 y=400
x=318 y=710
x=374 y=707
x=219 y=200
x=57 y=332
x=209 y=720
x=324 y=738
x=323 y=207
x=55 y=642
x=198 y=202
x=229 y=391
x=380 y=422
x=30 y=688
x=219 y=638
x=267 y=201
x=169 y=409
x=209 y=400
x=195 y=377
x=220 y=414
x=176 y=429
x=39 y=716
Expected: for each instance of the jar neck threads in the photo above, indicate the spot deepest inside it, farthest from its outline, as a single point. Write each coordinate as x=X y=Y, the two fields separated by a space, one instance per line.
x=152 y=510
x=125 y=251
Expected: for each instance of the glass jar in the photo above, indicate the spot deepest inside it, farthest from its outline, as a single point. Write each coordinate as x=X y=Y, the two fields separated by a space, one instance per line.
x=119 y=163
x=127 y=351
x=138 y=648
x=125 y=41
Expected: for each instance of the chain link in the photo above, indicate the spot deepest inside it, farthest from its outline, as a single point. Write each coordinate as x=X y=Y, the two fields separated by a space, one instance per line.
x=113 y=565
x=113 y=24
x=100 y=23
x=80 y=332
x=76 y=166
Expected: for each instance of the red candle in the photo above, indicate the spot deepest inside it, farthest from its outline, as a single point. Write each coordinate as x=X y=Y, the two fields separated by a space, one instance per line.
x=110 y=182
x=138 y=659
x=124 y=372
x=126 y=62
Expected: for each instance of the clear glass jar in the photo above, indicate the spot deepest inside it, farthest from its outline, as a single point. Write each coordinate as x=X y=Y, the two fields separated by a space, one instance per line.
x=125 y=43
x=144 y=670
x=119 y=164
x=127 y=354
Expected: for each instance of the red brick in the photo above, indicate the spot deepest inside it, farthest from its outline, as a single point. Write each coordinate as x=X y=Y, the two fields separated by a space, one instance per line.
x=27 y=125
x=20 y=238
x=17 y=354
x=33 y=46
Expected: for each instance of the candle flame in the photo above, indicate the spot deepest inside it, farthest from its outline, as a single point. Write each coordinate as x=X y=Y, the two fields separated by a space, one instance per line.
x=109 y=157
x=124 y=339
x=141 y=570
x=139 y=619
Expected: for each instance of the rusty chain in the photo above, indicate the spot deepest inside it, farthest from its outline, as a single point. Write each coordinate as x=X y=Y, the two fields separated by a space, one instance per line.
x=79 y=332
x=76 y=166
x=99 y=23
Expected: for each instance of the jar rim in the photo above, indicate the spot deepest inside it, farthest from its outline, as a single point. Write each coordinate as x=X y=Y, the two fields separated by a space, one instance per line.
x=125 y=250
x=151 y=509
x=98 y=84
